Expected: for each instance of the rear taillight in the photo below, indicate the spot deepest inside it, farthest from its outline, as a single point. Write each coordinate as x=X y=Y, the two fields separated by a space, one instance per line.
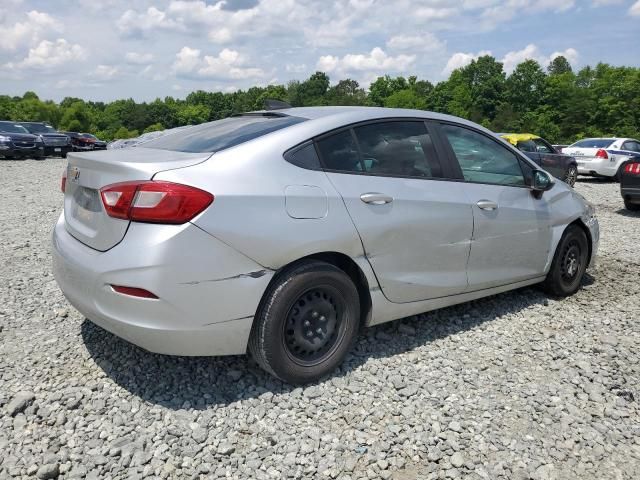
x=154 y=201
x=63 y=182
x=602 y=153
x=632 y=168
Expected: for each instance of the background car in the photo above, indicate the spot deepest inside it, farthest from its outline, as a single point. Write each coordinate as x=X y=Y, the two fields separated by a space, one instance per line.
x=17 y=142
x=79 y=142
x=630 y=183
x=544 y=154
x=603 y=157
x=283 y=232
x=55 y=143
x=97 y=143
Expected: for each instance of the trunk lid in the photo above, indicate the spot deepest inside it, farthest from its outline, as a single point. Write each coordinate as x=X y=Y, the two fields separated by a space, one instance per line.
x=583 y=154
x=87 y=172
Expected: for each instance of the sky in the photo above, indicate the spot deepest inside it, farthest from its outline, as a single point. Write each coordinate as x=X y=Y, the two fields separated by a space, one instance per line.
x=143 y=49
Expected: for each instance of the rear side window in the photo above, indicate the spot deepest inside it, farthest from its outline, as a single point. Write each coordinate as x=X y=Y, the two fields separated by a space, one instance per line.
x=221 y=134
x=631 y=146
x=482 y=159
x=401 y=149
x=594 y=143
x=304 y=157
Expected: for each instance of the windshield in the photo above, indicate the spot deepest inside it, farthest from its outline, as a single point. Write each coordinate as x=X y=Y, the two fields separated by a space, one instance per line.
x=221 y=134
x=12 y=128
x=88 y=135
x=594 y=143
x=39 y=128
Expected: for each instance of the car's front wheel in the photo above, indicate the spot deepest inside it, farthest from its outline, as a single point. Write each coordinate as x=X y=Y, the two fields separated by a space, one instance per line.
x=571 y=175
x=569 y=263
x=306 y=322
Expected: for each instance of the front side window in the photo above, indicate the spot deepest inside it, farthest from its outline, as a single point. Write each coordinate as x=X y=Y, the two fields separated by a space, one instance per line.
x=482 y=159
x=542 y=146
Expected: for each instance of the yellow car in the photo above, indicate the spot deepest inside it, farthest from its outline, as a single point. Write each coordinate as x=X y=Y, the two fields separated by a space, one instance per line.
x=542 y=152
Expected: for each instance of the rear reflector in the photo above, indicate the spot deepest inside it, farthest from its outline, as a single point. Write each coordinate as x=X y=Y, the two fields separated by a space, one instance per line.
x=133 y=291
x=154 y=201
x=602 y=153
x=632 y=168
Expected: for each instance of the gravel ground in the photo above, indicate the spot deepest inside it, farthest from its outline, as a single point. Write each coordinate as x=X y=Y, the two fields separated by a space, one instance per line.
x=517 y=386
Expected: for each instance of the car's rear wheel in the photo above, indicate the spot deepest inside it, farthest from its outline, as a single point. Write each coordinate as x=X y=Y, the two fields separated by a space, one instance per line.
x=634 y=207
x=569 y=263
x=571 y=175
x=306 y=322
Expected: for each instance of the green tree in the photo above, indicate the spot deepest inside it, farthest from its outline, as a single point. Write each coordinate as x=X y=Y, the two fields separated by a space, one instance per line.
x=559 y=65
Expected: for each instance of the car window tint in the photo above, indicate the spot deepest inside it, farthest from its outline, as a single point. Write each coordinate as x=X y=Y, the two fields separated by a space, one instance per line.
x=631 y=146
x=527 y=146
x=304 y=157
x=542 y=146
x=483 y=160
x=398 y=149
x=339 y=152
x=221 y=134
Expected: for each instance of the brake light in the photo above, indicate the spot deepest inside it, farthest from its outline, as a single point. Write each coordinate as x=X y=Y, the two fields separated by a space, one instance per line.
x=602 y=153
x=133 y=291
x=632 y=168
x=154 y=201
x=63 y=182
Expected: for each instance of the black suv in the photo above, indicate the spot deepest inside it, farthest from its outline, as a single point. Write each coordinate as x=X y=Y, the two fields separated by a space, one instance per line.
x=17 y=142
x=55 y=143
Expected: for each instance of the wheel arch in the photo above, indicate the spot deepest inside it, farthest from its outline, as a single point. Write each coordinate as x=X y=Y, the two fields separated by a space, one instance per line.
x=580 y=224
x=346 y=264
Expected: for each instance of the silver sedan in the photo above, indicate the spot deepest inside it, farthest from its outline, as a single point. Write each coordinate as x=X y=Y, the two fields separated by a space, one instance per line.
x=282 y=232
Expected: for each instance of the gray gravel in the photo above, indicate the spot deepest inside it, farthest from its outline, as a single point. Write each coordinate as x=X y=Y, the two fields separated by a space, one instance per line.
x=518 y=386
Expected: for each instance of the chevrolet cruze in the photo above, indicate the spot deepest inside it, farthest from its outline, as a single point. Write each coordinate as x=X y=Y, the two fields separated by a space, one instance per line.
x=281 y=232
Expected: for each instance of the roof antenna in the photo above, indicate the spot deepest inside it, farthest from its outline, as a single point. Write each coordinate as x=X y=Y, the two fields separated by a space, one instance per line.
x=270 y=104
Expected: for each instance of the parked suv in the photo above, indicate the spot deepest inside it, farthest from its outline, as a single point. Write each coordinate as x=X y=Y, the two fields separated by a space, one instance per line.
x=561 y=166
x=55 y=143
x=17 y=142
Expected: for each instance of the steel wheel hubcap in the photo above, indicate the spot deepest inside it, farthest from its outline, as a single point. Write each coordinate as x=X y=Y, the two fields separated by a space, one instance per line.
x=571 y=261
x=312 y=325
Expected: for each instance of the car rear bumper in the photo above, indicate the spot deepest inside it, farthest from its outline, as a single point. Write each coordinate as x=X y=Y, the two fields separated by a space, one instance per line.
x=631 y=194
x=597 y=166
x=207 y=292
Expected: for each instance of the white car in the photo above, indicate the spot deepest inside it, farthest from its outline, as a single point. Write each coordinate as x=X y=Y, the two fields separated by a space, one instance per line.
x=602 y=157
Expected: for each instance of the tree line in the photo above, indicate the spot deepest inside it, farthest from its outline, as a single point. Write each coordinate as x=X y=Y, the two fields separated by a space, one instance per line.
x=555 y=102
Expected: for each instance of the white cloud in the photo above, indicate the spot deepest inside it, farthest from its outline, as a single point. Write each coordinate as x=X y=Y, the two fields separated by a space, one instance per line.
x=375 y=61
x=105 y=72
x=135 y=23
x=228 y=64
x=532 y=52
x=506 y=10
x=461 y=59
x=635 y=9
x=135 y=58
x=47 y=56
x=426 y=42
x=28 y=32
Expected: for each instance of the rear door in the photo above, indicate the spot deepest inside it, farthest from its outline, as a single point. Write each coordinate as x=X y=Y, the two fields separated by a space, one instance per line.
x=414 y=224
x=512 y=229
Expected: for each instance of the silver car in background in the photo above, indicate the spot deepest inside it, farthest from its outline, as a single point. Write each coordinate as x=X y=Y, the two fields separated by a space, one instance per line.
x=282 y=232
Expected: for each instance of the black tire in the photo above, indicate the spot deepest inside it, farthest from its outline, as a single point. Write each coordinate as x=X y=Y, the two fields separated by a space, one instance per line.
x=569 y=263
x=306 y=322
x=64 y=155
x=633 y=207
x=571 y=175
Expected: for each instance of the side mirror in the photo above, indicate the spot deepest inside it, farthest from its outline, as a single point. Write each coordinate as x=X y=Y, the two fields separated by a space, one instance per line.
x=541 y=181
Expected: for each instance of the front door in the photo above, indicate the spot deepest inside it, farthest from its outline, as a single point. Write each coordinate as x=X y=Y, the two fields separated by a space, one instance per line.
x=414 y=225
x=512 y=228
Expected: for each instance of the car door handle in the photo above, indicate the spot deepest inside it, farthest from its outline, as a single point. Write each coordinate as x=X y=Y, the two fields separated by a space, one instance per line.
x=376 y=198
x=487 y=205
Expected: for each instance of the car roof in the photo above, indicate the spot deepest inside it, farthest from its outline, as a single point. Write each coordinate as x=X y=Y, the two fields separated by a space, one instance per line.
x=514 y=138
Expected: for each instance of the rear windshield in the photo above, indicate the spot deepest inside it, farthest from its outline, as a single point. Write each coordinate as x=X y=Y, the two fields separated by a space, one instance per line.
x=12 y=128
x=221 y=134
x=594 y=143
x=39 y=128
